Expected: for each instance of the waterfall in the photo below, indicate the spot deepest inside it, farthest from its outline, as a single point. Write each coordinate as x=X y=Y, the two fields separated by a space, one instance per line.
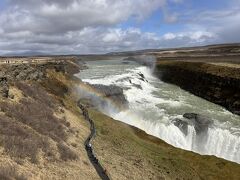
x=153 y=105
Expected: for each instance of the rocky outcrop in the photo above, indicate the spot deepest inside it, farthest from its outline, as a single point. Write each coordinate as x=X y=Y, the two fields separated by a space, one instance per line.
x=199 y=122
x=25 y=72
x=217 y=88
x=115 y=93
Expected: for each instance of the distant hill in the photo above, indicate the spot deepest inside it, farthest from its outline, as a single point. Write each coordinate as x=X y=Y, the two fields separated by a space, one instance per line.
x=219 y=48
x=27 y=53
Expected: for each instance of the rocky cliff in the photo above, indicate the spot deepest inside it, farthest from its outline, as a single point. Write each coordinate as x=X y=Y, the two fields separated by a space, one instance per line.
x=217 y=83
x=10 y=73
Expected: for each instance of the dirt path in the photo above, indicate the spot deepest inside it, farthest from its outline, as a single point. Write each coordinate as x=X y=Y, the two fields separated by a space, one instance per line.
x=88 y=146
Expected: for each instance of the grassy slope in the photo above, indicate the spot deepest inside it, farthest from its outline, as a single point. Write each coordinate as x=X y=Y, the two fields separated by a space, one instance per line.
x=42 y=132
x=129 y=153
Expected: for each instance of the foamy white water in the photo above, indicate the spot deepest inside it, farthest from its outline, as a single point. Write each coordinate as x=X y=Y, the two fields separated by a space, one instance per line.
x=153 y=105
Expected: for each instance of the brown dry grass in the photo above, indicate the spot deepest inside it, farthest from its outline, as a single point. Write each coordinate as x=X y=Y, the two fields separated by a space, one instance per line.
x=16 y=93
x=42 y=131
x=34 y=126
x=10 y=172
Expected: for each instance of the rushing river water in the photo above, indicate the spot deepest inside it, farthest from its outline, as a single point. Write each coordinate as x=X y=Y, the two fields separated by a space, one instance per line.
x=153 y=105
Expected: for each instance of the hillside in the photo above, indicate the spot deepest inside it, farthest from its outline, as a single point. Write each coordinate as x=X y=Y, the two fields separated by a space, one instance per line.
x=42 y=131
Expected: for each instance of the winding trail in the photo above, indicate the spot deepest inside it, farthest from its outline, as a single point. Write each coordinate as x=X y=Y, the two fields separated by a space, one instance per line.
x=88 y=146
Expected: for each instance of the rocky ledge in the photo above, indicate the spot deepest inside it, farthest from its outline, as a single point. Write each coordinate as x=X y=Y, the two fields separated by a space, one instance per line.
x=10 y=73
x=219 y=84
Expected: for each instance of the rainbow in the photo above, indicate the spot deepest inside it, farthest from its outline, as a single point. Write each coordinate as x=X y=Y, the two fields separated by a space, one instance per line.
x=86 y=91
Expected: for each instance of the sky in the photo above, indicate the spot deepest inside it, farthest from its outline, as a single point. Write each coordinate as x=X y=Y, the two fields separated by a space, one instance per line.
x=101 y=26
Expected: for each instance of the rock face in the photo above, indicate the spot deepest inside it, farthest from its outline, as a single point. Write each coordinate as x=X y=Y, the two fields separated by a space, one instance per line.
x=201 y=123
x=24 y=72
x=182 y=125
x=115 y=93
x=34 y=72
x=222 y=90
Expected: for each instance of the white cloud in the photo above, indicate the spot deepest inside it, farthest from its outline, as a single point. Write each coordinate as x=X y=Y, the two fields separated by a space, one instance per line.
x=91 y=26
x=54 y=16
x=169 y=36
x=99 y=40
x=177 y=1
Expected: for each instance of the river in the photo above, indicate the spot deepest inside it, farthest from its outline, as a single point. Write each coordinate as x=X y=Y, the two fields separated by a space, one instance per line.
x=153 y=105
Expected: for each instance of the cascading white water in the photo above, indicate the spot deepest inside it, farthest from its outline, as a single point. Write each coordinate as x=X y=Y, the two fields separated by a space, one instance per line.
x=153 y=105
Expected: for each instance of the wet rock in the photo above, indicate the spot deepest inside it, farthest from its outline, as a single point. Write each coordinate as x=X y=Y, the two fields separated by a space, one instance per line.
x=115 y=93
x=201 y=123
x=182 y=125
x=142 y=76
x=190 y=115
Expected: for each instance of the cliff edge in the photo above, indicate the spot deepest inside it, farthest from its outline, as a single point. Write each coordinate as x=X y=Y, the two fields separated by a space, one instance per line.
x=216 y=82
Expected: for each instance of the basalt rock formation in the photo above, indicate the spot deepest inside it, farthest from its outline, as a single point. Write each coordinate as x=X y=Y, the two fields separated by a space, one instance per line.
x=218 y=84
